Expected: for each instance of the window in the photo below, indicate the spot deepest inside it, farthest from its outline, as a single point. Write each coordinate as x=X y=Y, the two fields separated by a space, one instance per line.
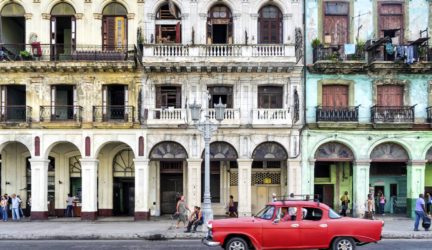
x=219 y=25
x=270 y=25
x=224 y=93
x=287 y=214
x=310 y=213
x=168 y=24
x=168 y=97
x=322 y=170
x=266 y=213
x=390 y=95
x=333 y=214
x=114 y=26
x=391 y=20
x=335 y=96
x=336 y=23
x=270 y=97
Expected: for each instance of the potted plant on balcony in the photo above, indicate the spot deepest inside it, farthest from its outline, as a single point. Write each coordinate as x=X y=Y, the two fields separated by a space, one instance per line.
x=25 y=55
x=360 y=47
x=140 y=39
x=316 y=43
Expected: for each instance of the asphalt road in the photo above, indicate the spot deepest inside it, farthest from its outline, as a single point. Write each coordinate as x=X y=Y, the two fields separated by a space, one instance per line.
x=177 y=244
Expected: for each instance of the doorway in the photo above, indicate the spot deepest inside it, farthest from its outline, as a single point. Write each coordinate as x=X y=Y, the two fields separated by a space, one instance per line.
x=123 y=197
x=114 y=102
x=63 y=36
x=326 y=193
x=220 y=33
x=171 y=187
x=62 y=101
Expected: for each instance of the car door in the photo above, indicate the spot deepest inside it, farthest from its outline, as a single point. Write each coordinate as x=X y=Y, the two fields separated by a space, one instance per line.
x=280 y=233
x=313 y=228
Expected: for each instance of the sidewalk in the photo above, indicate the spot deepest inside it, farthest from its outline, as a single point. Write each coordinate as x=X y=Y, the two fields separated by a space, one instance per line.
x=124 y=228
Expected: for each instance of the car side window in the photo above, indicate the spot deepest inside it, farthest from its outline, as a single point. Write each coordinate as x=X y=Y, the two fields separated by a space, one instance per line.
x=310 y=213
x=287 y=213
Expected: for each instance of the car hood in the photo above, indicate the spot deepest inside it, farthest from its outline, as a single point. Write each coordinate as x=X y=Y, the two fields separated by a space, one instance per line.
x=234 y=221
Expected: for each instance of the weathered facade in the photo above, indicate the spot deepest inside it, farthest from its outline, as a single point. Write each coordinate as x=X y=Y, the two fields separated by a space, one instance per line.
x=95 y=96
x=367 y=102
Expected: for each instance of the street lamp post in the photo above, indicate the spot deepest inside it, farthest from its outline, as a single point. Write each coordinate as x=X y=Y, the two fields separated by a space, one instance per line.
x=207 y=128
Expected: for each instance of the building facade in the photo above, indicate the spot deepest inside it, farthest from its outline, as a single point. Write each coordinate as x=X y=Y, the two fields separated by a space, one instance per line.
x=95 y=96
x=367 y=103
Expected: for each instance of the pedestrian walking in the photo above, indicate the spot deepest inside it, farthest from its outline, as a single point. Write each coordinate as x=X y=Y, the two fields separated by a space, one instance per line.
x=428 y=201
x=420 y=212
x=345 y=201
x=382 y=202
x=69 y=205
x=15 y=207
x=4 y=207
x=232 y=208
x=370 y=204
x=20 y=207
x=181 y=211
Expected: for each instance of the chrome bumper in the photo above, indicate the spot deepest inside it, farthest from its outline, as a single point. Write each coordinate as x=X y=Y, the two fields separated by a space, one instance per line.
x=210 y=243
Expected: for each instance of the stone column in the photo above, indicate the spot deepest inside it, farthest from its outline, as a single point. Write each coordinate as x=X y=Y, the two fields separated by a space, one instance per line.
x=39 y=189
x=142 y=211
x=308 y=176
x=360 y=187
x=294 y=177
x=89 y=175
x=244 y=187
x=415 y=184
x=193 y=195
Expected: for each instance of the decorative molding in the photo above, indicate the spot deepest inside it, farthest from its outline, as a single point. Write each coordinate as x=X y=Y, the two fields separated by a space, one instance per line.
x=287 y=16
x=203 y=16
x=97 y=16
x=36 y=1
x=151 y=16
x=79 y=16
x=46 y=16
x=334 y=151
x=130 y=16
x=254 y=16
x=87 y=1
x=236 y=16
x=28 y=16
x=184 y=16
x=140 y=1
x=417 y=163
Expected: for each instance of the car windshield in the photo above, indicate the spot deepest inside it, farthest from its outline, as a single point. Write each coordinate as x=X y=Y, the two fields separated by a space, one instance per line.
x=266 y=213
x=333 y=214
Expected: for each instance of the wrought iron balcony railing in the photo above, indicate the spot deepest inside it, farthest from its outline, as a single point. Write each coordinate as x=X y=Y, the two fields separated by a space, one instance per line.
x=15 y=113
x=67 y=52
x=393 y=114
x=113 y=113
x=337 y=114
x=337 y=54
x=61 y=113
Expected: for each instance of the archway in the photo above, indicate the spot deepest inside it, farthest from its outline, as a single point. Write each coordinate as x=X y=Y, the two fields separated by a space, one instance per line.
x=168 y=23
x=13 y=167
x=12 y=30
x=63 y=31
x=124 y=183
x=220 y=25
x=114 y=26
x=223 y=161
x=169 y=161
x=388 y=175
x=270 y=25
x=269 y=173
x=64 y=177
x=333 y=172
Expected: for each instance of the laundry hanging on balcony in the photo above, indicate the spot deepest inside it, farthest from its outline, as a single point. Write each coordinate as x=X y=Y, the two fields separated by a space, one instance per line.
x=349 y=49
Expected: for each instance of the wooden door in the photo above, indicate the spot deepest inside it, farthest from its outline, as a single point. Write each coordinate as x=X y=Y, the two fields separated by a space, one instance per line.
x=336 y=22
x=335 y=96
x=270 y=25
x=390 y=96
x=328 y=194
x=391 y=18
x=114 y=32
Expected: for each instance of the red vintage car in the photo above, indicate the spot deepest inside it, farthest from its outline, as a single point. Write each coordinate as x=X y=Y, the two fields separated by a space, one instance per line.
x=293 y=224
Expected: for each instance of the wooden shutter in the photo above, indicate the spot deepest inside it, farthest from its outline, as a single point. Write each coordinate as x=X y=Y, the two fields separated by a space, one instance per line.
x=391 y=17
x=390 y=95
x=209 y=32
x=178 y=97
x=178 y=32
x=336 y=22
x=120 y=32
x=53 y=38
x=230 y=38
x=335 y=96
x=108 y=32
x=73 y=33
x=158 y=97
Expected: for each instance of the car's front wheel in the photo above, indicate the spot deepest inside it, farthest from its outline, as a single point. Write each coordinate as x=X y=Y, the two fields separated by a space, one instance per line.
x=343 y=243
x=236 y=243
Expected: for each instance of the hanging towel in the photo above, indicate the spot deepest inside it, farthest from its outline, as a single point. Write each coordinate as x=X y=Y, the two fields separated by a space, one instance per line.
x=349 y=49
x=389 y=48
x=409 y=55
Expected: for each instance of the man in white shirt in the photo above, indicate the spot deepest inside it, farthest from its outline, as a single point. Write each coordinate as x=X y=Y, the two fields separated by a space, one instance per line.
x=69 y=208
x=15 y=207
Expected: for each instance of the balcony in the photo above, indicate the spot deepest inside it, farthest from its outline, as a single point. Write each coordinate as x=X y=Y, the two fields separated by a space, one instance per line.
x=219 y=57
x=170 y=117
x=270 y=117
x=15 y=115
x=47 y=57
x=396 y=116
x=331 y=60
x=62 y=115
x=114 y=114
x=337 y=114
x=231 y=117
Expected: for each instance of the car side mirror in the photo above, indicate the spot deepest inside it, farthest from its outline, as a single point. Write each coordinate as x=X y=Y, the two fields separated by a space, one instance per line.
x=276 y=221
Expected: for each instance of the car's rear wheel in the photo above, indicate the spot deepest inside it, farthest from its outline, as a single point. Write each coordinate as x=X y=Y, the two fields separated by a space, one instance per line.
x=343 y=243
x=236 y=243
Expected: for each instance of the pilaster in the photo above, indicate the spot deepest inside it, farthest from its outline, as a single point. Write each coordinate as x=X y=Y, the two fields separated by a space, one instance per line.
x=39 y=187
x=244 y=187
x=142 y=211
x=361 y=171
x=89 y=168
x=194 y=183
x=415 y=183
x=294 y=176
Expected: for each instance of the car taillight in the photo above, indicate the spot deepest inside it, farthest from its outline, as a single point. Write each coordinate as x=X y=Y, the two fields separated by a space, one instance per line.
x=382 y=223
